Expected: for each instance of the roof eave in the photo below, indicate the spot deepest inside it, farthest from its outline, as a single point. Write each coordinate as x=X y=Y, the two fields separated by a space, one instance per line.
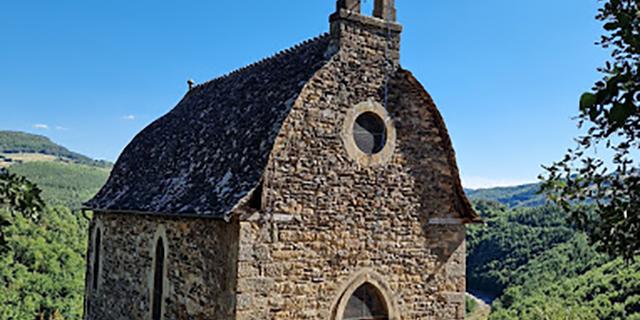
x=225 y=217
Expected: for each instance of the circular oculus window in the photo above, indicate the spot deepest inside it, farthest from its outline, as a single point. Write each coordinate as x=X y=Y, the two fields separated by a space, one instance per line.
x=369 y=133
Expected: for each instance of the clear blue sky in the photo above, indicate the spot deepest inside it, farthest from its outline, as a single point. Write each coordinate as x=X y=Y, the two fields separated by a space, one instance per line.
x=505 y=74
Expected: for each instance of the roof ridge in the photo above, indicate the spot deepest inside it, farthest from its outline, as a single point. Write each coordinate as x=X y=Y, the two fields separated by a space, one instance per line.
x=277 y=55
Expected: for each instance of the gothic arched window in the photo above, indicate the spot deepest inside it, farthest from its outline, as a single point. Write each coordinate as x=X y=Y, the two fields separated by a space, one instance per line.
x=366 y=303
x=158 y=281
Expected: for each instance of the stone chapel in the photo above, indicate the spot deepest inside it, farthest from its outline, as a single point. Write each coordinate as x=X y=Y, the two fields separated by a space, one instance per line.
x=320 y=183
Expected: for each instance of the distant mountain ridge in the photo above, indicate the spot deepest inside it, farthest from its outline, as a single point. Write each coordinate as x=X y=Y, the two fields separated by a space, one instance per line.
x=15 y=142
x=513 y=197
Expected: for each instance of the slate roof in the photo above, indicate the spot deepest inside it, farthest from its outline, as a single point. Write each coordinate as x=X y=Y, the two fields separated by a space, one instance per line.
x=209 y=152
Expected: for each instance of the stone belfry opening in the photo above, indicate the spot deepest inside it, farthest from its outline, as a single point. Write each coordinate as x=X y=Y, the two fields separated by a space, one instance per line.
x=383 y=9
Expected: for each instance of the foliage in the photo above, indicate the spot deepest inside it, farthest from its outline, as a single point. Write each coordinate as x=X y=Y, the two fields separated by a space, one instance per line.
x=539 y=267
x=611 y=115
x=42 y=260
x=509 y=240
x=470 y=305
x=527 y=195
x=64 y=184
x=610 y=291
x=17 y=195
x=566 y=260
x=42 y=272
x=21 y=142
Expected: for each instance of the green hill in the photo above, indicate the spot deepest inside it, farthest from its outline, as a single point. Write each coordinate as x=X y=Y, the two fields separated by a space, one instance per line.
x=13 y=142
x=66 y=184
x=66 y=178
x=513 y=197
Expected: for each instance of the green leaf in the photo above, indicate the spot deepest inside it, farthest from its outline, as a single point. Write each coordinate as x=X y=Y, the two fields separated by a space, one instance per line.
x=587 y=100
x=619 y=114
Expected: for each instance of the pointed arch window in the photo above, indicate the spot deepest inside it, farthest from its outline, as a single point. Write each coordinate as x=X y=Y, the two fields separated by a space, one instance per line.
x=96 y=258
x=158 y=280
x=366 y=303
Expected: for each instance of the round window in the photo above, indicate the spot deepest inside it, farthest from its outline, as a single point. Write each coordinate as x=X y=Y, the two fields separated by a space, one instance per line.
x=369 y=133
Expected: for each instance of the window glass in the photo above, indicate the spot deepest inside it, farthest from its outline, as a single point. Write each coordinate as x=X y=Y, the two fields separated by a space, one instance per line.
x=158 y=279
x=366 y=303
x=96 y=258
x=369 y=133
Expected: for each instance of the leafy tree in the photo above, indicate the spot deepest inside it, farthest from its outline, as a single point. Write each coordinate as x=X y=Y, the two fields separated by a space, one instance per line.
x=42 y=268
x=19 y=195
x=38 y=275
x=610 y=114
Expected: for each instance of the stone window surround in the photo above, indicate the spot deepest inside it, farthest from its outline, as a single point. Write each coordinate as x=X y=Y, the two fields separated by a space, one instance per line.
x=362 y=277
x=161 y=232
x=352 y=149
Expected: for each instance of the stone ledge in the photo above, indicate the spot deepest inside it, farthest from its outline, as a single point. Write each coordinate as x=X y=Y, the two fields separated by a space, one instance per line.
x=447 y=221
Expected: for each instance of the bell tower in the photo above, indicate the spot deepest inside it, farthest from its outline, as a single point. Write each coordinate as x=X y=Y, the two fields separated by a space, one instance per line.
x=350 y=28
x=383 y=9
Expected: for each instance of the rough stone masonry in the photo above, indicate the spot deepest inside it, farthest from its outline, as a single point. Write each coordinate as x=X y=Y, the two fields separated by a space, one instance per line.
x=266 y=205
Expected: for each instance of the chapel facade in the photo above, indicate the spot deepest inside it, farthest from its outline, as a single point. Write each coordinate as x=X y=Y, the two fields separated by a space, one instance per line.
x=320 y=183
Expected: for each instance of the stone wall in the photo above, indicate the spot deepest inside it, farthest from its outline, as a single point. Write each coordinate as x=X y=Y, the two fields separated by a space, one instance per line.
x=201 y=267
x=327 y=218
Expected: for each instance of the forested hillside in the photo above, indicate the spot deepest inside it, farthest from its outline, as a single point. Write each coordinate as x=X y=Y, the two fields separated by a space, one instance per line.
x=66 y=184
x=536 y=266
x=514 y=197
